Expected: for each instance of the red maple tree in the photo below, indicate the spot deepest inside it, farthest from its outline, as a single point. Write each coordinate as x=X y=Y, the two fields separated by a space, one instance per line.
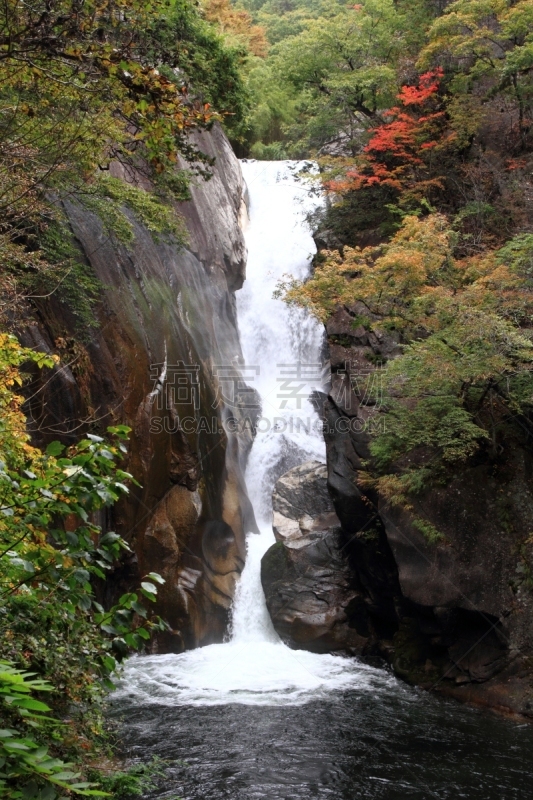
x=397 y=153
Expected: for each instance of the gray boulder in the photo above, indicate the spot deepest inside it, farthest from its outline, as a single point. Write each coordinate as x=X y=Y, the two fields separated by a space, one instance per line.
x=305 y=575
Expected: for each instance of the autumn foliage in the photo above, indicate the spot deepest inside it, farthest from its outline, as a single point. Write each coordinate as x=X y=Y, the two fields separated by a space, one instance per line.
x=400 y=151
x=464 y=370
x=237 y=23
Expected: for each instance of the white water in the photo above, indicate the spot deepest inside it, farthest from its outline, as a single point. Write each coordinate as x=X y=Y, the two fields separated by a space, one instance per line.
x=255 y=667
x=283 y=343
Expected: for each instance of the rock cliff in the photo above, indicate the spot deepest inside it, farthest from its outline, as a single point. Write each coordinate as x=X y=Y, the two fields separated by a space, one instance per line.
x=453 y=614
x=166 y=326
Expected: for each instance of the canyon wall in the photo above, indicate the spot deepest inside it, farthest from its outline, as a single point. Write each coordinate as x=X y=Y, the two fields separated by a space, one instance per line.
x=453 y=614
x=166 y=327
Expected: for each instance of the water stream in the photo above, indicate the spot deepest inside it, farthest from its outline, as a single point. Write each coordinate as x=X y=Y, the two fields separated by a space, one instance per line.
x=251 y=718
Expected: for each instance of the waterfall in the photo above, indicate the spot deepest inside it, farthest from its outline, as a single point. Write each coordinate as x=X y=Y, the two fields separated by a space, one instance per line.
x=282 y=352
x=249 y=733
x=281 y=344
x=281 y=347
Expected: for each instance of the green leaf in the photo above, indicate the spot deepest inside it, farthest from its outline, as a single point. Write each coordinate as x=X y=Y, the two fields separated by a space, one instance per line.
x=84 y=603
x=16 y=746
x=127 y=599
x=139 y=609
x=65 y=776
x=30 y=703
x=81 y=575
x=109 y=663
x=55 y=449
x=109 y=538
x=109 y=628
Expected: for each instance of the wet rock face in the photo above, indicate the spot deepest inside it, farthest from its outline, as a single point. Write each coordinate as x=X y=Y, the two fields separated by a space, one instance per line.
x=305 y=575
x=452 y=614
x=167 y=313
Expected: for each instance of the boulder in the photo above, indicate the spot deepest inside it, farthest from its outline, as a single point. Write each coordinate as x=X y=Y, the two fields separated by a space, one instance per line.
x=305 y=575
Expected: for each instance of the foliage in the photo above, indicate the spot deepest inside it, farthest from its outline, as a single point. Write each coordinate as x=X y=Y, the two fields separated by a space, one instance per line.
x=237 y=23
x=190 y=47
x=332 y=68
x=79 y=90
x=81 y=87
x=51 y=266
x=135 y=781
x=343 y=67
x=420 y=116
x=488 y=45
x=110 y=198
x=56 y=267
x=438 y=183
x=22 y=760
x=63 y=273
x=429 y=531
x=466 y=370
x=518 y=254
x=405 y=152
x=410 y=107
x=348 y=58
x=51 y=554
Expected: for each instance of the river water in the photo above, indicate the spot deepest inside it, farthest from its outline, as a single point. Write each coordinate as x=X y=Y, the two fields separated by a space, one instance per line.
x=251 y=718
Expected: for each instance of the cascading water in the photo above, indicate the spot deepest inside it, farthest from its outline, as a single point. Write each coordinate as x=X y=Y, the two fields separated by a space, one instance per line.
x=281 y=345
x=273 y=723
x=281 y=348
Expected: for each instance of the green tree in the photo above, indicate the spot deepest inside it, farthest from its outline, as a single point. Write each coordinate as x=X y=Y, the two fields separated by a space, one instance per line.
x=489 y=47
x=344 y=66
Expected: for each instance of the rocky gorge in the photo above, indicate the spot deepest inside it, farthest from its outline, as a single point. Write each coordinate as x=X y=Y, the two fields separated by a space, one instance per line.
x=308 y=693
x=349 y=573
x=266 y=400
x=299 y=605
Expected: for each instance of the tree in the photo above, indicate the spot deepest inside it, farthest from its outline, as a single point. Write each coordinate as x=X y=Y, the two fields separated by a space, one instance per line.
x=489 y=47
x=345 y=63
x=237 y=23
x=405 y=153
x=465 y=376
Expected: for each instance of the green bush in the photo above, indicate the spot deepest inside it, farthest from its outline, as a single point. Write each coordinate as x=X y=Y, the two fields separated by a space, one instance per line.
x=55 y=636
